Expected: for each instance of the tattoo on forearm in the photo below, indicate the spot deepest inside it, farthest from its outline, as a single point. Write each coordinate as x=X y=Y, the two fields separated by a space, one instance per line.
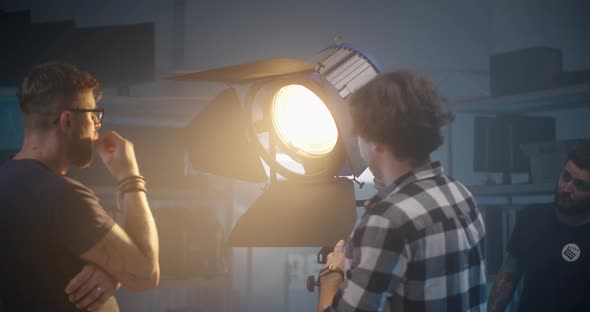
x=502 y=292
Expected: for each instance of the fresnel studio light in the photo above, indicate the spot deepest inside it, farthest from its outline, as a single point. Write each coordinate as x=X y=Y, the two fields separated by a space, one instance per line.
x=291 y=115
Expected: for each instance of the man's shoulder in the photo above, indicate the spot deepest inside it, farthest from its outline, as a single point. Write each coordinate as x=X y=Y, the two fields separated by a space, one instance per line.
x=64 y=184
x=73 y=189
x=41 y=179
x=74 y=184
x=401 y=211
x=534 y=225
x=536 y=212
x=440 y=187
x=29 y=174
x=442 y=197
x=387 y=210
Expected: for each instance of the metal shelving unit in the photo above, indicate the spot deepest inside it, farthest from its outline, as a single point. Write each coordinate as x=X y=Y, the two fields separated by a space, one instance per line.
x=512 y=189
x=558 y=99
x=570 y=97
x=500 y=219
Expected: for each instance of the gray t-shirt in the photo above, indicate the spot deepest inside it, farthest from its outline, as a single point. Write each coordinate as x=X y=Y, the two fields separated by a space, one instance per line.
x=46 y=222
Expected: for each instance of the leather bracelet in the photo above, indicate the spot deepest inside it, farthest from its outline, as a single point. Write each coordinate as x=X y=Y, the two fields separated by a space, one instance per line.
x=329 y=270
x=134 y=189
x=129 y=178
x=131 y=186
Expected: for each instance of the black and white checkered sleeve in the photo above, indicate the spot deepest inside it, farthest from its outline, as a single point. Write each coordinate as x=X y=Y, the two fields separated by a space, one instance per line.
x=379 y=261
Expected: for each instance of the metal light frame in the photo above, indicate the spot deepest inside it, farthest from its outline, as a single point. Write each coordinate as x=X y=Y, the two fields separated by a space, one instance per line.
x=312 y=209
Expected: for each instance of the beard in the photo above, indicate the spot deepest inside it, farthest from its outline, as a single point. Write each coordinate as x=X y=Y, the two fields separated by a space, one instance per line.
x=571 y=207
x=81 y=152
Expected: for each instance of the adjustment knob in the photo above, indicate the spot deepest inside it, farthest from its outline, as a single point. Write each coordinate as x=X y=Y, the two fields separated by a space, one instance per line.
x=311 y=283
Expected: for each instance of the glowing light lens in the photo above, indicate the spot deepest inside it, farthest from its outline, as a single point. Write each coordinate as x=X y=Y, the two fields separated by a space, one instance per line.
x=303 y=121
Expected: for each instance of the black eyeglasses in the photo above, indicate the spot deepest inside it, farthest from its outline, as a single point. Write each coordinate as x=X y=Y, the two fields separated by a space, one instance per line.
x=97 y=113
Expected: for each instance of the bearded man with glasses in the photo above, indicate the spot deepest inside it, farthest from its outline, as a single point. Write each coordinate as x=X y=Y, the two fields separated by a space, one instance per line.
x=60 y=250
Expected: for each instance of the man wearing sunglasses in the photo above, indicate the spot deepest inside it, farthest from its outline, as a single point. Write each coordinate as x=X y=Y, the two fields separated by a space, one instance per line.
x=550 y=247
x=60 y=250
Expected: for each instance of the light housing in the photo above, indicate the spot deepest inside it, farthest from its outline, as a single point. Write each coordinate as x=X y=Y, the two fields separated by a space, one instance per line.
x=314 y=206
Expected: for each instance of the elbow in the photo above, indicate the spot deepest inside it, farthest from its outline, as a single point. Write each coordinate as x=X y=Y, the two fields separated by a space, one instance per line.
x=153 y=274
x=153 y=282
x=156 y=277
x=146 y=284
x=150 y=281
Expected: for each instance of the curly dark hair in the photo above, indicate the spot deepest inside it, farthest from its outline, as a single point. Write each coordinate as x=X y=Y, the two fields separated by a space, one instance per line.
x=401 y=109
x=49 y=88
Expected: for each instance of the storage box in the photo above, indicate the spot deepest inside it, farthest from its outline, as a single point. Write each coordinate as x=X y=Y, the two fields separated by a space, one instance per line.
x=524 y=70
x=547 y=159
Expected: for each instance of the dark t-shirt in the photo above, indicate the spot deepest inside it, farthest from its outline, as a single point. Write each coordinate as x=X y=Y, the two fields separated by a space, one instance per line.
x=555 y=259
x=46 y=222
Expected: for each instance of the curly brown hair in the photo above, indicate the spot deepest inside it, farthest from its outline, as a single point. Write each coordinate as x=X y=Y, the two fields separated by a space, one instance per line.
x=48 y=88
x=401 y=109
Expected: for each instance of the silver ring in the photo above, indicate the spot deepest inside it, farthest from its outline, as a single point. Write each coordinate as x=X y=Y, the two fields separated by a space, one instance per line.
x=99 y=290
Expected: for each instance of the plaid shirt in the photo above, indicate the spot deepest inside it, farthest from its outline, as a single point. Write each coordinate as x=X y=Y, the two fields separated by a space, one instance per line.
x=418 y=249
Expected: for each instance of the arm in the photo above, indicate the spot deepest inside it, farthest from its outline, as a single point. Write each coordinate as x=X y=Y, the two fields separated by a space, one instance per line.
x=330 y=283
x=91 y=288
x=329 y=286
x=130 y=255
x=505 y=284
x=379 y=261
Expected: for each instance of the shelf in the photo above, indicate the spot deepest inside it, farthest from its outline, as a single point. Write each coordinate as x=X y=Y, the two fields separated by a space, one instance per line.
x=571 y=97
x=503 y=190
x=512 y=190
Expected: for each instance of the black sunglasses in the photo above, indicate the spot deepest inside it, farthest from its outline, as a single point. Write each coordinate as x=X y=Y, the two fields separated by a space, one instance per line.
x=97 y=113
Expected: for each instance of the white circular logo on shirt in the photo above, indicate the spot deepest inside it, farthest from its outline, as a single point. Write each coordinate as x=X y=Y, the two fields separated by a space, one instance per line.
x=571 y=252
